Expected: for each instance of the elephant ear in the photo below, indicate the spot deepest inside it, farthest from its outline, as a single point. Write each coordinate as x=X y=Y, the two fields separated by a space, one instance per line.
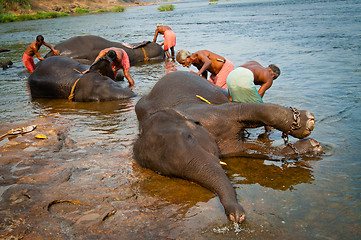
x=103 y=67
x=187 y=116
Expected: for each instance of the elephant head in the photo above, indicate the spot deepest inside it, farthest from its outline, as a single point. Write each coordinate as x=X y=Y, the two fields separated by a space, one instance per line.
x=103 y=67
x=174 y=144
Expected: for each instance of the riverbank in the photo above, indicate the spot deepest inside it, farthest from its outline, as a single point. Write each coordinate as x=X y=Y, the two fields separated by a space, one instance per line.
x=13 y=10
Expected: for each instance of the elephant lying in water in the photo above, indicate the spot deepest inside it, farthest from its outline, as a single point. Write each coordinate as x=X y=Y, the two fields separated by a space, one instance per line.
x=61 y=77
x=85 y=49
x=182 y=135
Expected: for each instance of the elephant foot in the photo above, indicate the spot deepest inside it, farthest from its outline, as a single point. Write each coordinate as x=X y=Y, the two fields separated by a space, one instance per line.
x=235 y=212
x=302 y=125
x=304 y=147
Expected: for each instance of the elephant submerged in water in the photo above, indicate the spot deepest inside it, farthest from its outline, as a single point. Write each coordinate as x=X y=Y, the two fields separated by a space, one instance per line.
x=186 y=124
x=85 y=49
x=61 y=77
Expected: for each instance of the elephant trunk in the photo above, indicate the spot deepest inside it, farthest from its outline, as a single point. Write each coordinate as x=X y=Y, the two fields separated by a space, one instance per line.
x=209 y=174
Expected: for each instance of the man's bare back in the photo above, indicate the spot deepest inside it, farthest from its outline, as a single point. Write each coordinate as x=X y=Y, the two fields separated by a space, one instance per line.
x=262 y=76
x=162 y=29
x=205 y=60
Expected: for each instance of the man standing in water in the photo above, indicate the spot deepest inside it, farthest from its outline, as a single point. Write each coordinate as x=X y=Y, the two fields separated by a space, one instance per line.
x=169 y=38
x=33 y=49
x=119 y=59
x=242 y=80
x=204 y=61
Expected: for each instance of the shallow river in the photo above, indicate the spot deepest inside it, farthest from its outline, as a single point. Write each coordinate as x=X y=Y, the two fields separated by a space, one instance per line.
x=315 y=43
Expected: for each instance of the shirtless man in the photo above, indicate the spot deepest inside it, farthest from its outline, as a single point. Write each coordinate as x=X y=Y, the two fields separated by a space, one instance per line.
x=169 y=38
x=207 y=61
x=119 y=59
x=242 y=80
x=33 y=49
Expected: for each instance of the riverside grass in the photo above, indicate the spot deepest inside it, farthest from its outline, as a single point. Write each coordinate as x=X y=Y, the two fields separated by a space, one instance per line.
x=10 y=17
x=166 y=7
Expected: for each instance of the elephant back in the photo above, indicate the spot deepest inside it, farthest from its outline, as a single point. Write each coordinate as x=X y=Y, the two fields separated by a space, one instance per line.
x=179 y=88
x=144 y=52
x=85 y=49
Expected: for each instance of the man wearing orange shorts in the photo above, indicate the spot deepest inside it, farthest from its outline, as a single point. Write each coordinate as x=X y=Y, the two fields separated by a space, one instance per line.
x=33 y=49
x=169 y=38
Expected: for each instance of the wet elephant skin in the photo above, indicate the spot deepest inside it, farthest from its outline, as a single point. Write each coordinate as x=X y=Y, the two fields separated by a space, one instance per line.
x=59 y=77
x=186 y=124
x=85 y=49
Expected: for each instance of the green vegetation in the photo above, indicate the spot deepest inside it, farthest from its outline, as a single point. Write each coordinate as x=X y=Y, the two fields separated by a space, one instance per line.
x=118 y=9
x=99 y=11
x=10 y=17
x=166 y=7
x=81 y=10
x=212 y=2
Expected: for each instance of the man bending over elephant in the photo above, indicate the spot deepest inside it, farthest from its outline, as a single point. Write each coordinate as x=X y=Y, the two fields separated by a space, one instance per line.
x=242 y=80
x=204 y=61
x=33 y=49
x=169 y=38
x=119 y=59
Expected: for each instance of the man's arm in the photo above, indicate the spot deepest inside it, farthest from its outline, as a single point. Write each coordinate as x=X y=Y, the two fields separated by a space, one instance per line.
x=156 y=35
x=102 y=53
x=265 y=86
x=206 y=64
x=56 y=52
x=36 y=52
x=128 y=77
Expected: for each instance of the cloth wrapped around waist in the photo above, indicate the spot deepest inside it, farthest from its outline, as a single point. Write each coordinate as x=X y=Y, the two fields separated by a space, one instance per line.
x=241 y=86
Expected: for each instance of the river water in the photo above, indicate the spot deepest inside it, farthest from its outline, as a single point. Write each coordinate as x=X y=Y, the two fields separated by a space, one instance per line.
x=316 y=44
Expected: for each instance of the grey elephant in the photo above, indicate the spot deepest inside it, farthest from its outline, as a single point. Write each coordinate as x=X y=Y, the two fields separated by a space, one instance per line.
x=85 y=49
x=186 y=124
x=61 y=77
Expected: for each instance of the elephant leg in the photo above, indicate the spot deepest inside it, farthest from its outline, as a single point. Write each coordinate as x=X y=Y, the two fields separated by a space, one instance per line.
x=226 y=121
x=265 y=151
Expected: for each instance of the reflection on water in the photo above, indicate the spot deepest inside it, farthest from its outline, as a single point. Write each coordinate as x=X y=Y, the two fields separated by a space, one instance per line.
x=170 y=66
x=63 y=106
x=316 y=45
x=276 y=175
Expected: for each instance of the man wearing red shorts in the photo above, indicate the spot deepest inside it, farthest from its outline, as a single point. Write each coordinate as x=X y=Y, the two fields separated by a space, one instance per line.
x=120 y=60
x=169 y=38
x=33 y=49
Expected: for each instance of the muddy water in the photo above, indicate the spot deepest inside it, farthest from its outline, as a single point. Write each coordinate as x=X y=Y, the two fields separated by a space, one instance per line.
x=86 y=184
